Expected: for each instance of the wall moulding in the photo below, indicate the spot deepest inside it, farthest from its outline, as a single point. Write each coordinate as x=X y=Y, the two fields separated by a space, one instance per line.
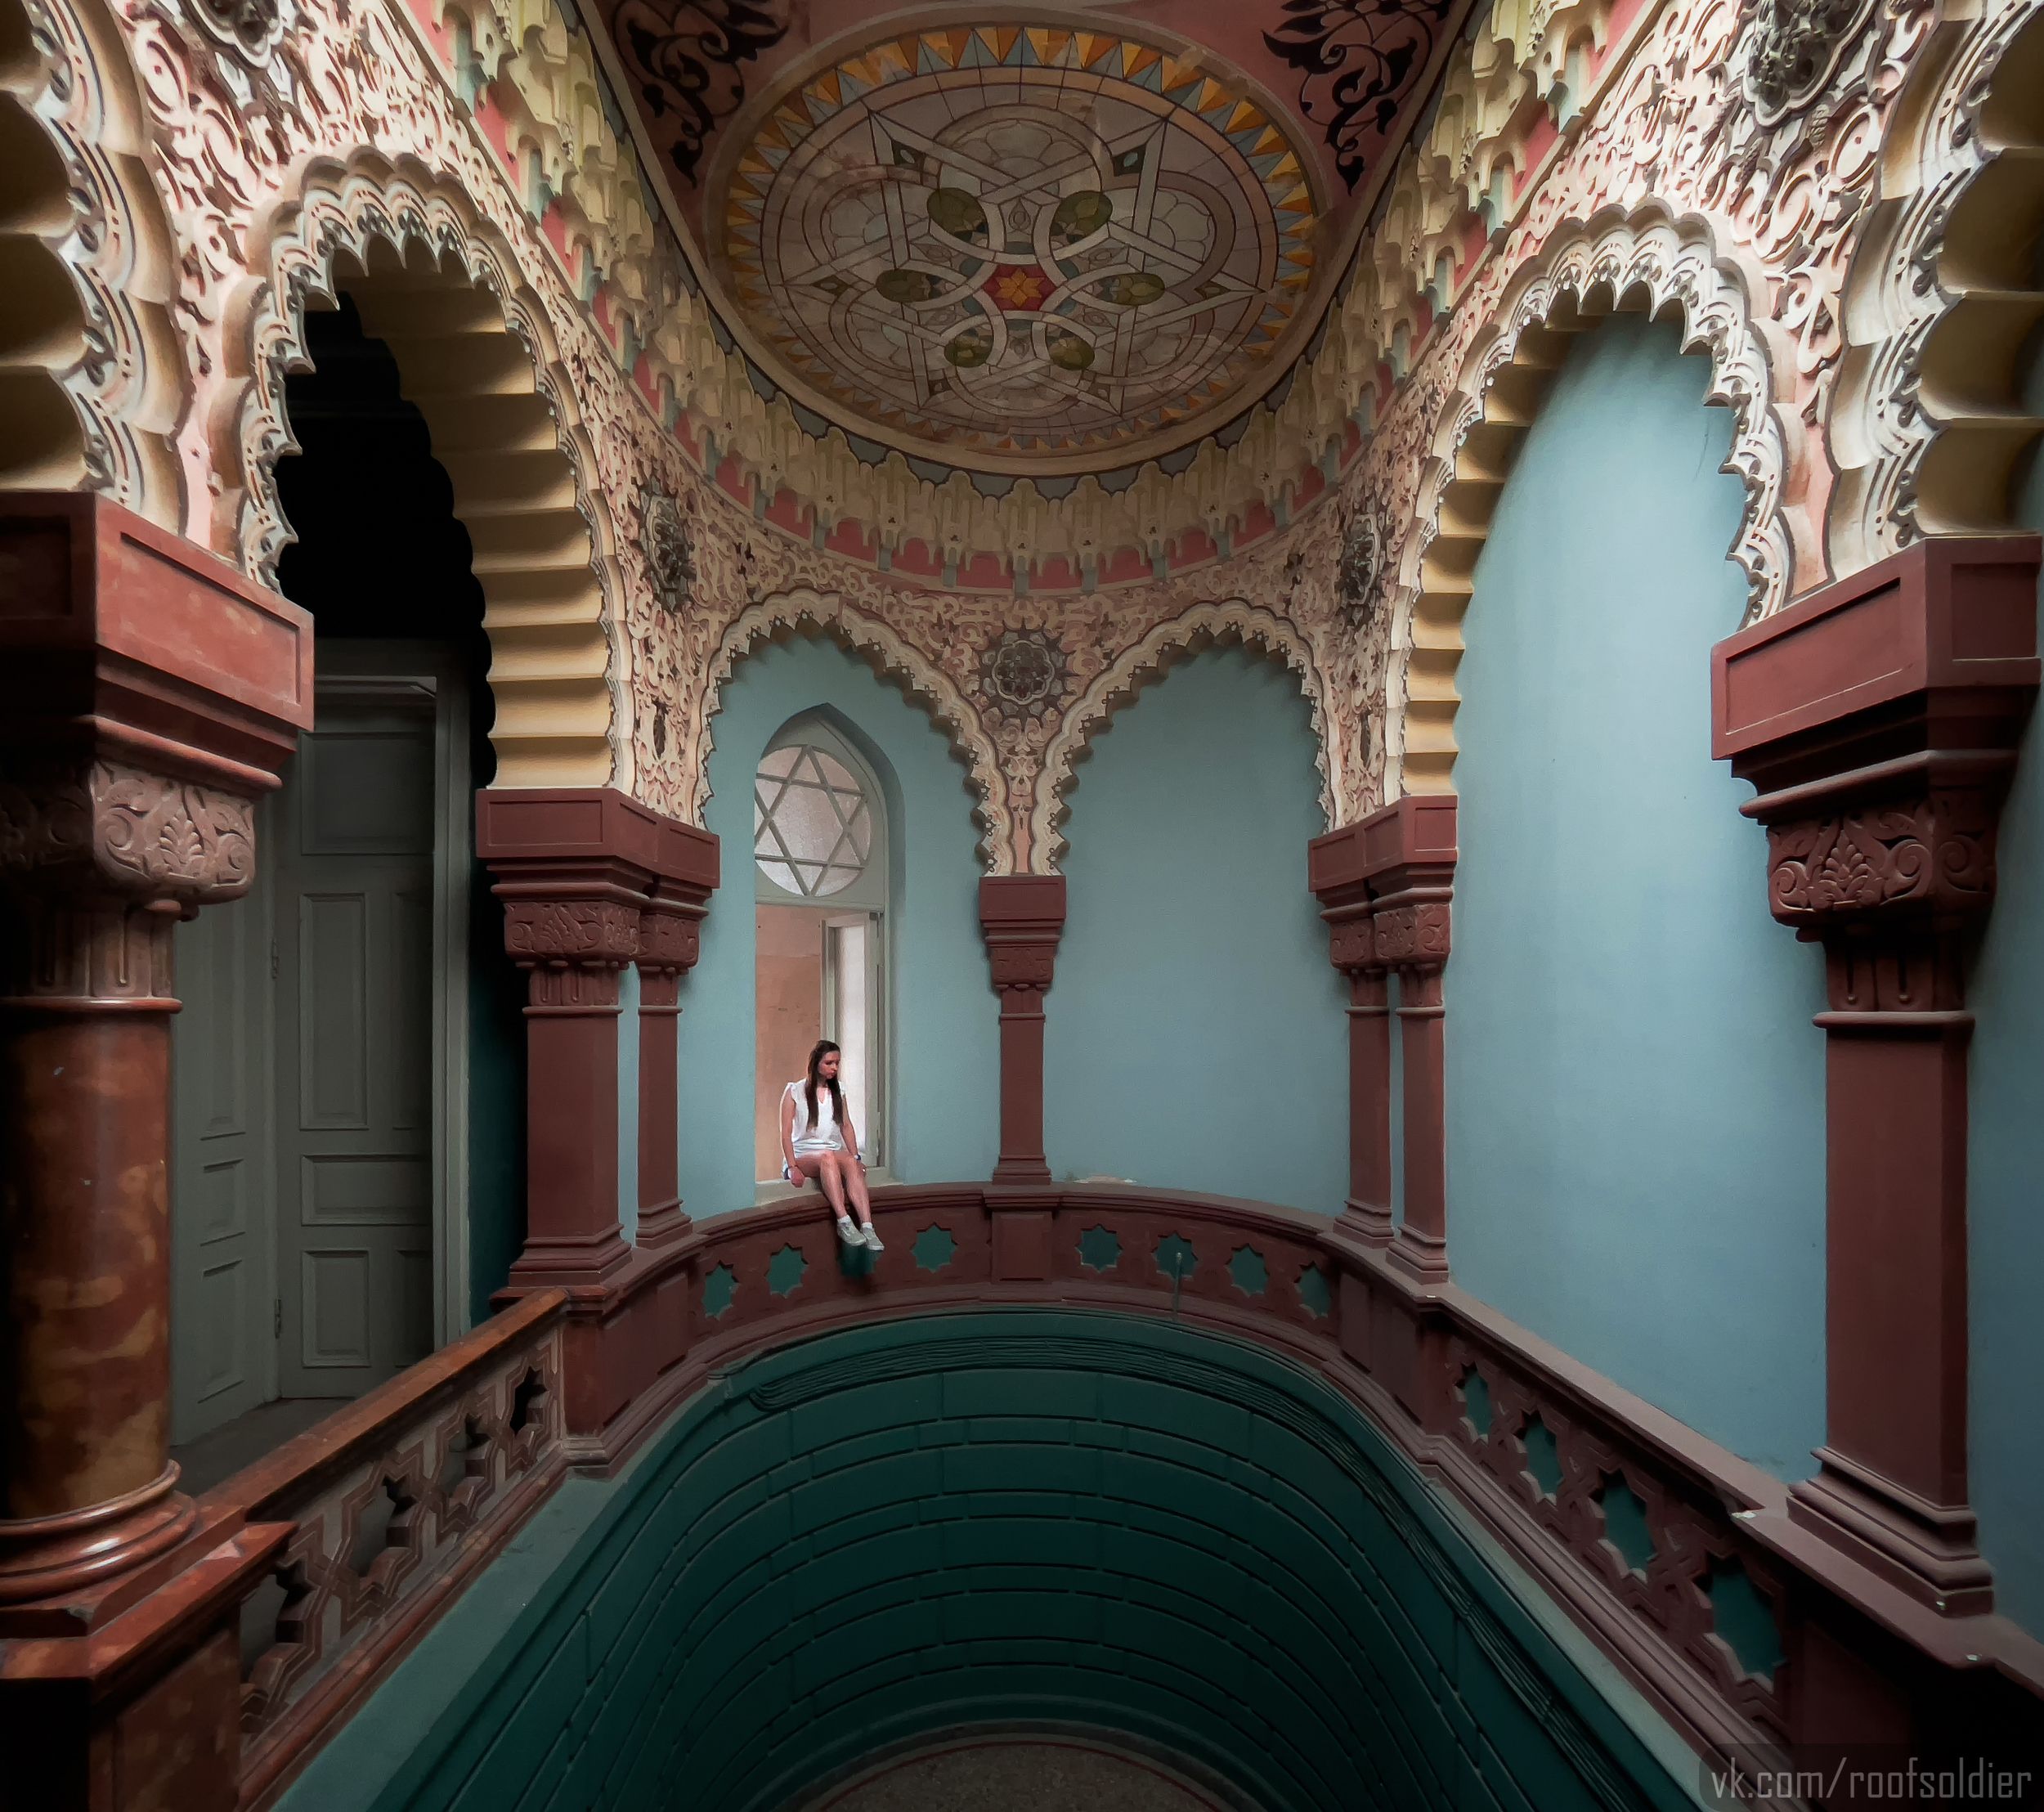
x=476 y=357
x=1649 y=262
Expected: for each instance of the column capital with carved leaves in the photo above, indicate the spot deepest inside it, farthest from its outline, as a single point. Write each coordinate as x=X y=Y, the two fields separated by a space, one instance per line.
x=1879 y=720
x=148 y=696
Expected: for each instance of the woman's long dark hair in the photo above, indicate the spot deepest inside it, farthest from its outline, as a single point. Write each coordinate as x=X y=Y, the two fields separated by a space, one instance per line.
x=823 y=1049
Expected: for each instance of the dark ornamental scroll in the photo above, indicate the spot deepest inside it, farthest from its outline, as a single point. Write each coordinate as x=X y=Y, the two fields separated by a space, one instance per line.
x=685 y=57
x=1357 y=59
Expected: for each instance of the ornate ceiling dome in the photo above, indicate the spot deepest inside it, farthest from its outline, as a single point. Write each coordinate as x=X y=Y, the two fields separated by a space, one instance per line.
x=1047 y=243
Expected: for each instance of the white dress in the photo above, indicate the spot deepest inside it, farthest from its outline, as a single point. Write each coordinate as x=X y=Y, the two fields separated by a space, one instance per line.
x=825 y=1135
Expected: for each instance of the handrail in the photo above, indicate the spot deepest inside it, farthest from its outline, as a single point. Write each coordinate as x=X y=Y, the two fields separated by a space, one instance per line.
x=393 y=1503
x=1635 y=1525
x=1532 y=1443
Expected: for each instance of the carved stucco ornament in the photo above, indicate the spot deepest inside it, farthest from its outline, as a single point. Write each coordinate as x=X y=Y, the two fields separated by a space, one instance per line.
x=115 y=829
x=1361 y=567
x=671 y=555
x=252 y=29
x=1025 y=673
x=1791 y=47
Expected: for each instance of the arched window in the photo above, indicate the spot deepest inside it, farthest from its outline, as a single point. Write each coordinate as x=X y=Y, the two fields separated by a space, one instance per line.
x=820 y=865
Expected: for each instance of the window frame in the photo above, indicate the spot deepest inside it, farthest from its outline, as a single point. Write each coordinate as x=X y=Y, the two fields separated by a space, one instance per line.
x=868 y=898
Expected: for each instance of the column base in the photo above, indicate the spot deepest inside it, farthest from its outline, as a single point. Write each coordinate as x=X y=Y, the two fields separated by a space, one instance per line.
x=1368 y=1222
x=664 y=1226
x=1423 y=1256
x=583 y=1260
x=1930 y=1551
x=1022 y=1170
x=46 y=1557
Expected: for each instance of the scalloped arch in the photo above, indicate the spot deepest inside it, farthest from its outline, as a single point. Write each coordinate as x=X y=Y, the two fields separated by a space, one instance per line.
x=475 y=356
x=1233 y=620
x=1930 y=427
x=803 y=610
x=92 y=375
x=1583 y=273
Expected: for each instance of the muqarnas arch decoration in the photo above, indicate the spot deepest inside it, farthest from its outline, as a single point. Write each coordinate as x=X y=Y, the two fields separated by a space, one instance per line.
x=1650 y=262
x=1116 y=685
x=1930 y=429
x=802 y=611
x=476 y=357
x=92 y=379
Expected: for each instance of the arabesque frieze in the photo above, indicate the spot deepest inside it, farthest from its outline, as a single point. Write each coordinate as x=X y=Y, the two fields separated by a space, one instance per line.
x=488 y=129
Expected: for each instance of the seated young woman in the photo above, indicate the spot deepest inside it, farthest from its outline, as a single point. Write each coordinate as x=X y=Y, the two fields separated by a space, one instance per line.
x=819 y=1144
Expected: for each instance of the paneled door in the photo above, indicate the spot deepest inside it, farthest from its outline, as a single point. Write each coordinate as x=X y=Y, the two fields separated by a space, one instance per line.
x=224 y=1357
x=355 y=1039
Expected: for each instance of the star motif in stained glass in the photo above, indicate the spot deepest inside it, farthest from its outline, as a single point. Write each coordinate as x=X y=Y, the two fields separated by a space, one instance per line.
x=811 y=830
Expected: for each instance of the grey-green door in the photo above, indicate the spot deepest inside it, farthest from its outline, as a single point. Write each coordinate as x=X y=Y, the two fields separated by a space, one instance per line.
x=354 y=1087
x=223 y=1358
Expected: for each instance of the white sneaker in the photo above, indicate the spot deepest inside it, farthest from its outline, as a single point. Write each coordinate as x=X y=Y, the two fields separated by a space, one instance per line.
x=870 y=1234
x=846 y=1231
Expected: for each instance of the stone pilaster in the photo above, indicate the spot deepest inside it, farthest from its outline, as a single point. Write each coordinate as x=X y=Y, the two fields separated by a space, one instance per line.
x=1384 y=884
x=1023 y=917
x=669 y=939
x=1879 y=720
x=590 y=880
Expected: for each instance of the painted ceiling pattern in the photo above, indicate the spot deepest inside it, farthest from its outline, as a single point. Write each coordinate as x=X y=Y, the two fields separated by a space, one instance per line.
x=1021 y=243
x=376 y=131
x=1021 y=240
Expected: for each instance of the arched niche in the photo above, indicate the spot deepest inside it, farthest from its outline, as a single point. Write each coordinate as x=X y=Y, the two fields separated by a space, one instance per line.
x=1653 y=265
x=1219 y=624
x=803 y=612
x=477 y=360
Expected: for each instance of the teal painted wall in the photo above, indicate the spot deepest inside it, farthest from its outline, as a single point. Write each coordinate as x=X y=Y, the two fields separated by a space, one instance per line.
x=1085 y=1518
x=1195 y=1036
x=946 y=1083
x=628 y=1104
x=2006 y=1164
x=1635 y=1090
x=496 y=1099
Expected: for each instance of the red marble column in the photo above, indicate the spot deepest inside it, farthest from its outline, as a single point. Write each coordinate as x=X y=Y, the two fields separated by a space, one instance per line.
x=1022 y=916
x=1337 y=872
x=669 y=941
x=1384 y=885
x=1879 y=721
x=579 y=870
x=1413 y=939
x=148 y=695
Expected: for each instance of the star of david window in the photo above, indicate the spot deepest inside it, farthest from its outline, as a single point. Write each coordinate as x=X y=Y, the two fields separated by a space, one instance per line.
x=821 y=844
x=812 y=825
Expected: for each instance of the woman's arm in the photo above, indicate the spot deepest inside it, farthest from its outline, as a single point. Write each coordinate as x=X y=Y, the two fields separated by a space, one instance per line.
x=787 y=1126
x=851 y=1137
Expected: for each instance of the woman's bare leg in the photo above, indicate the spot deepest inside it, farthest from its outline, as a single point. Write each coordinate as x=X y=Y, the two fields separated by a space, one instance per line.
x=833 y=1175
x=854 y=1176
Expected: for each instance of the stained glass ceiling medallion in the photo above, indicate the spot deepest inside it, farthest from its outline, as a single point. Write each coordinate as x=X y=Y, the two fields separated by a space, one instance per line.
x=1051 y=244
